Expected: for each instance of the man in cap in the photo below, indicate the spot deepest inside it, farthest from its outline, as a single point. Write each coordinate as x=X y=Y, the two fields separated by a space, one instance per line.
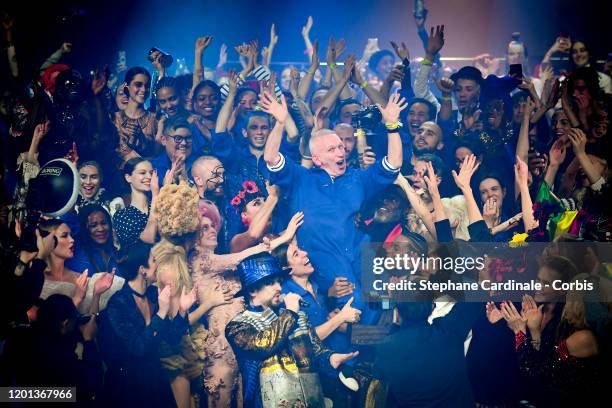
x=277 y=349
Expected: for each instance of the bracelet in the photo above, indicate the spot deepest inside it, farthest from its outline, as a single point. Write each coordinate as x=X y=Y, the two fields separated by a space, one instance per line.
x=360 y=132
x=332 y=65
x=393 y=125
x=446 y=98
x=426 y=61
x=306 y=157
x=364 y=84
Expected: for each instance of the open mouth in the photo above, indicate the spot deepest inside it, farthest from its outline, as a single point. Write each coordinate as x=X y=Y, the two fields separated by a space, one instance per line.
x=421 y=143
x=88 y=190
x=340 y=163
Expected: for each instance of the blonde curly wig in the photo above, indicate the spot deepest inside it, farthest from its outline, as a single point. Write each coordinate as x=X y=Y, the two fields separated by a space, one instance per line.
x=172 y=259
x=176 y=210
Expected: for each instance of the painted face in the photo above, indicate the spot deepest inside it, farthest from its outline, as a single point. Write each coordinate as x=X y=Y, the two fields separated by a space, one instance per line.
x=428 y=138
x=384 y=66
x=580 y=54
x=213 y=177
x=257 y=132
x=268 y=295
x=317 y=98
x=65 y=242
x=90 y=181
x=168 y=100
x=490 y=188
x=460 y=154
x=495 y=113
x=546 y=276
x=98 y=227
x=346 y=113
x=330 y=155
x=417 y=115
x=298 y=261
x=178 y=143
x=208 y=233
x=467 y=92
x=139 y=88
x=207 y=103
x=140 y=179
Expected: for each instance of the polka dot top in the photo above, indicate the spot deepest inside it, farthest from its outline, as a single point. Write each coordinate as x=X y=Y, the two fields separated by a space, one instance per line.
x=129 y=223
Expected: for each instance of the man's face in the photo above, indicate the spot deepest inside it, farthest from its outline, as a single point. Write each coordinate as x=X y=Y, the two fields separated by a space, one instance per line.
x=516 y=54
x=248 y=101
x=316 y=100
x=384 y=66
x=257 y=132
x=210 y=177
x=460 y=154
x=466 y=92
x=206 y=103
x=518 y=109
x=428 y=138
x=178 y=143
x=388 y=210
x=330 y=155
x=346 y=113
x=418 y=175
x=417 y=115
x=268 y=295
x=348 y=138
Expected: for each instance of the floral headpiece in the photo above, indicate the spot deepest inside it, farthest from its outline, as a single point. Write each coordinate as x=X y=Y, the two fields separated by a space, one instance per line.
x=249 y=192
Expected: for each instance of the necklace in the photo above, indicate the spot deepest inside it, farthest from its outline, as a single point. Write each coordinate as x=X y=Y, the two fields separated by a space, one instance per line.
x=135 y=293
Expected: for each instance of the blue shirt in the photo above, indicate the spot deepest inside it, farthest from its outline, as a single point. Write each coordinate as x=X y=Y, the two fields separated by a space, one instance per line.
x=330 y=205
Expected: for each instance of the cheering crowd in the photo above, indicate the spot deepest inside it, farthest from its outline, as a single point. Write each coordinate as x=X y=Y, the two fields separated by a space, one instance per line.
x=213 y=257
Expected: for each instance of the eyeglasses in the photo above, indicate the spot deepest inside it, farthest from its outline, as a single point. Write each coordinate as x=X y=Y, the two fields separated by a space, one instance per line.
x=180 y=139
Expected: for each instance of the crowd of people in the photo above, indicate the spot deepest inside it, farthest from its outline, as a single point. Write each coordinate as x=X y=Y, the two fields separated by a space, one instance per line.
x=213 y=257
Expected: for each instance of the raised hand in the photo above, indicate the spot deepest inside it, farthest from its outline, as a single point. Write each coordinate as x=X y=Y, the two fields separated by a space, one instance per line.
x=516 y=322
x=296 y=221
x=163 y=301
x=368 y=158
x=432 y=181
x=521 y=172
x=557 y=153
x=273 y=190
x=242 y=50
x=98 y=83
x=295 y=82
x=337 y=359
x=222 y=56
x=41 y=130
x=81 y=288
x=470 y=117
x=104 y=282
x=307 y=27
x=445 y=85
x=469 y=167
x=202 y=43
x=187 y=299
x=232 y=82
x=494 y=315
x=396 y=74
x=349 y=314
x=66 y=47
x=45 y=245
x=436 y=41
x=578 y=140
x=314 y=65
x=214 y=295
x=349 y=64
x=490 y=212
x=401 y=52
x=155 y=183
x=273 y=37
x=532 y=313
x=391 y=112
x=269 y=105
x=341 y=287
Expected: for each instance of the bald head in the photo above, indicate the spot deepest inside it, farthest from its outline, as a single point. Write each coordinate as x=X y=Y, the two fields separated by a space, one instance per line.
x=346 y=133
x=208 y=175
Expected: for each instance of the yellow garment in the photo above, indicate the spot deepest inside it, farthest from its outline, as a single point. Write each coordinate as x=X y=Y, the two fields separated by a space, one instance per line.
x=518 y=240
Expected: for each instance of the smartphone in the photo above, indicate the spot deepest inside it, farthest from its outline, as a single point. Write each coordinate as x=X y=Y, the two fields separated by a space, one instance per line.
x=516 y=71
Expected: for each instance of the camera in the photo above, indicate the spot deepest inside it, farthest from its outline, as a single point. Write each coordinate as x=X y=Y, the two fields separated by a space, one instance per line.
x=164 y=58
x=366 y=118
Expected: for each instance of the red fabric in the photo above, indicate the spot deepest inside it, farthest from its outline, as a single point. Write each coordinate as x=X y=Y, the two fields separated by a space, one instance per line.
x=561 y=350
x=395 y=232
x=519 y=338
x=46 y=78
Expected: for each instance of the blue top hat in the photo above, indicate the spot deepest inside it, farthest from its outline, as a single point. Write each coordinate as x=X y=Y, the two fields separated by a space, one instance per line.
x=256 y=268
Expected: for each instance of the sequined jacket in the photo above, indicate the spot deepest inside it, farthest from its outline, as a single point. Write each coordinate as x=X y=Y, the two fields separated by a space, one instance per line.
x=281 y=346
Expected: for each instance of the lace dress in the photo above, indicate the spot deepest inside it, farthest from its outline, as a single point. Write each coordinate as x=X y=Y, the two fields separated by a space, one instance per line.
x=221 y=372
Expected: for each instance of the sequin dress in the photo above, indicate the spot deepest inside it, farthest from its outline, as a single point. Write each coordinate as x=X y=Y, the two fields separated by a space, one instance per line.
x=221 y=379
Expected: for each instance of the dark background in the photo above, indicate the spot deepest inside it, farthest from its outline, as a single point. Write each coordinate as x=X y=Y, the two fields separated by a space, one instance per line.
x=98 y=29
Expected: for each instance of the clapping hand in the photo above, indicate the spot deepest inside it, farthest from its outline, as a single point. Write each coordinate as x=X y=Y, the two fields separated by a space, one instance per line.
x=187 y=299
x=104 y=282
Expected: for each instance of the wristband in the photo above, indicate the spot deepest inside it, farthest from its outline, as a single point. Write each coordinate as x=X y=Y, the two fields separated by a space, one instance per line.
x=332 y=65
x=426 y=61
x=393 y=125
x=360 y=132
x=364 y=84
x=446 y=98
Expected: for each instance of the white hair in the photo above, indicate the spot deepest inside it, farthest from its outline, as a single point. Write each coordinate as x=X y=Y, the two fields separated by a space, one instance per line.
x=316 y=135
x=456 y=209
